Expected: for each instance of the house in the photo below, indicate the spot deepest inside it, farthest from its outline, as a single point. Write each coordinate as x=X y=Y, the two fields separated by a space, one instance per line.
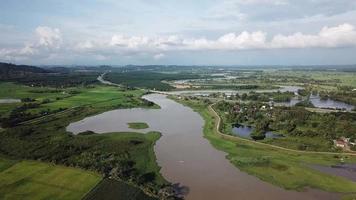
x=343 y=142
x=340 y=143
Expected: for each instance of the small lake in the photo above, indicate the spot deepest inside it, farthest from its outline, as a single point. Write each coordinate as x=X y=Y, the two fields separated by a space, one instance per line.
x=245 y=132
x=319 y=103
x=10 y=101
x=293 y=89
x=187 y=158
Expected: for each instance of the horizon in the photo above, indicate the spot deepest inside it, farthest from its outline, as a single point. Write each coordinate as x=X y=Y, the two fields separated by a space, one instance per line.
x=211 y=32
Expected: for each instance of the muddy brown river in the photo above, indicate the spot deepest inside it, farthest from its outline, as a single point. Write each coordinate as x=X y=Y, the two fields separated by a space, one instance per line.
x=187 y=158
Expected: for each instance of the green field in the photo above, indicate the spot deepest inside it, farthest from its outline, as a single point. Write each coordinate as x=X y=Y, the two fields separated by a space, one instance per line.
x=138 y=125
x=37 y=180
x=101 y=96
x=282 y=168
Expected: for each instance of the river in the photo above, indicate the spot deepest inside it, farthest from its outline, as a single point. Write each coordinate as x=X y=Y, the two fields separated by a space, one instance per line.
x=186 y=157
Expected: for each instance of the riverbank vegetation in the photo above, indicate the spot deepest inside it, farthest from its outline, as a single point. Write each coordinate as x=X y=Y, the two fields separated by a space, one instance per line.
x=118 y=190
x=286 y=169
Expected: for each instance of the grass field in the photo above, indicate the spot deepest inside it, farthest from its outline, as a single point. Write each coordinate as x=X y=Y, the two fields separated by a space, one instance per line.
x=97 y=95
x=285 y=169
x=37 y=180
x=138 y=125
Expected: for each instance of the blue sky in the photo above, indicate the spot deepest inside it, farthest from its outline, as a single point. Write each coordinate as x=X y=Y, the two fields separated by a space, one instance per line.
x=212 y=32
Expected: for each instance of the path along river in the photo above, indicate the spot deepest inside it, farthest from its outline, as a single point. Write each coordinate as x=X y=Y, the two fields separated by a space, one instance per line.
x=186 y=157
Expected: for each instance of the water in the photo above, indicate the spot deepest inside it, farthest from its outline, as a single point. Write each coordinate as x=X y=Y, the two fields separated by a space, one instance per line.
x=245 y=132
x=347 y=171
x=319 y=103
x=10 y=101
x=188 y=158
x=233 y=92
x=329 y=103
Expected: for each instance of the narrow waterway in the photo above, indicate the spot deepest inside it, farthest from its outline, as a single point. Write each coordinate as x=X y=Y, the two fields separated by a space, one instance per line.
x=186 y=157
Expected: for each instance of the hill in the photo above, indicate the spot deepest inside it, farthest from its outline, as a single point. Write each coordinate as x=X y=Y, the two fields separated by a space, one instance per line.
x=12 y=71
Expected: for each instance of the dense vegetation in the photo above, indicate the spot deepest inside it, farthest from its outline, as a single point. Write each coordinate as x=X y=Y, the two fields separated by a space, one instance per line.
x=59 y=80
x=11 y=71
x=260 y=96
x=116 y=190
x=146 y=79
x=40 y=77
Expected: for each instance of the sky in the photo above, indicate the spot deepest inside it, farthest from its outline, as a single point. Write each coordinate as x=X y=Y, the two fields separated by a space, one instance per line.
x=179 y=32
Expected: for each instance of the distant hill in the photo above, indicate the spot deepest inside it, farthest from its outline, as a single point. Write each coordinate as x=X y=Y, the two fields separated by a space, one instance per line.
x=12 y=71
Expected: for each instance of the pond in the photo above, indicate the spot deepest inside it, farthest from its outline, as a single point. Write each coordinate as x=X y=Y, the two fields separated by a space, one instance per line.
x=329 y=103
x=245 y=132
x=10 y=101
x=186 y=157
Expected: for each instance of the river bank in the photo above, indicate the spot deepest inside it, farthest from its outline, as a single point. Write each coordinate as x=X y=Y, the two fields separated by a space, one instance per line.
x=279 y=167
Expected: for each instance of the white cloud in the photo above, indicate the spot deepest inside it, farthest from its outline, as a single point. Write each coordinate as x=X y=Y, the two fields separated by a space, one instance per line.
x=273 y=2
x=159 y=56
x=50 y=40
x=49 y=37
x=339 y=36
x=328 y=37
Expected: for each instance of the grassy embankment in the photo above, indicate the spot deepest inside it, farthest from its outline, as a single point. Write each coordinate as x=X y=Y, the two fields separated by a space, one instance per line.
x=46 y=139
x=138 y=125
x=282 y=168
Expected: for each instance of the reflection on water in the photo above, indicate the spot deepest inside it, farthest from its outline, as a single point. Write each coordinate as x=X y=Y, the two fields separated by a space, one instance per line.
x=319 y=103
x=329 y=103
x=347 y=171
x=188 y=158
x=245 y=132
x=293 y=89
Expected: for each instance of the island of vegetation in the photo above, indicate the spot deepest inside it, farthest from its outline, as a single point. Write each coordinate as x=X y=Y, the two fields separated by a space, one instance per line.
x=138 y=125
